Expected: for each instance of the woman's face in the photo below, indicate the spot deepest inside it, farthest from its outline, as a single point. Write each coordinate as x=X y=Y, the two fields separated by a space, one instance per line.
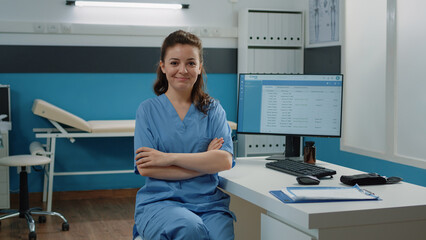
x=182 y=66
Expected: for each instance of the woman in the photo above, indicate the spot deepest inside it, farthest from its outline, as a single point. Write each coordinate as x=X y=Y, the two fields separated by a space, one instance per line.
x=182 y=140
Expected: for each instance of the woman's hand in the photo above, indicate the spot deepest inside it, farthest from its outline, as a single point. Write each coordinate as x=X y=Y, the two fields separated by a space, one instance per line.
x=149 y=157
x=215 y=144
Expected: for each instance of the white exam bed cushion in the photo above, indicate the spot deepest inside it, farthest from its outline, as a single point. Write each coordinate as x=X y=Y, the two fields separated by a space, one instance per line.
x=112 y=126
x=52 y=112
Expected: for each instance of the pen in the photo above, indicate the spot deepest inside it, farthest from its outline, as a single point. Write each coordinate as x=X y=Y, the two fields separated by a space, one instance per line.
x=368 y=192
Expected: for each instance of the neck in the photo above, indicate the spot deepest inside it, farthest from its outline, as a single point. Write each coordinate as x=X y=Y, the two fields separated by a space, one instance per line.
x=179 y=97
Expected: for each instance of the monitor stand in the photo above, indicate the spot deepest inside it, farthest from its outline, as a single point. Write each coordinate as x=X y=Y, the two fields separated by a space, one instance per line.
x=292 y=150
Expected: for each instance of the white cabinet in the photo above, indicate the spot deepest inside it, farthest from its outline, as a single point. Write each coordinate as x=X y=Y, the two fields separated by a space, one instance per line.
x=273 y=229
x=4 y=174
x=269 y=41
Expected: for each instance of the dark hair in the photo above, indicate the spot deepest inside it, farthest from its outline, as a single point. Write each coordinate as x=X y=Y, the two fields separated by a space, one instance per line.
x=199 y=97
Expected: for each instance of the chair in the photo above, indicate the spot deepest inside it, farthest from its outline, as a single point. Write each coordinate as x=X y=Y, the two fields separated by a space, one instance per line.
x=136 y=235
x=24 y=211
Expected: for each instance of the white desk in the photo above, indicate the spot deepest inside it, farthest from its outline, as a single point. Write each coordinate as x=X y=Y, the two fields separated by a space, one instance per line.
x=400 y=215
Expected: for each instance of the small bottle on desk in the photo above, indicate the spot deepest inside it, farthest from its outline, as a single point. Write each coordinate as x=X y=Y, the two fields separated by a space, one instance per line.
x=309 y=152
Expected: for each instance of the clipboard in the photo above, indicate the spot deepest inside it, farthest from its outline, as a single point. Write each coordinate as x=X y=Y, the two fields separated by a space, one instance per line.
x=323 y=194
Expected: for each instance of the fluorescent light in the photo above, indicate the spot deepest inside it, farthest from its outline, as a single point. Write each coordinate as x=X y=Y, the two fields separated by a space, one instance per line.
x=126 y=4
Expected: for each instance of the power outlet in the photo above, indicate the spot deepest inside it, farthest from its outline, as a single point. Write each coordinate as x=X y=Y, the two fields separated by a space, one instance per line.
x=52 y=28
x=194 y=31
x=210 y=32
x=39 y=27
x=205 y=32
x=66 y=27
x=216 y=32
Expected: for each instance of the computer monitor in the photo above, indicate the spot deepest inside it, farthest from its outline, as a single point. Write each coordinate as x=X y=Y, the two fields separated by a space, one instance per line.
x=293 y=105
x=5 y=102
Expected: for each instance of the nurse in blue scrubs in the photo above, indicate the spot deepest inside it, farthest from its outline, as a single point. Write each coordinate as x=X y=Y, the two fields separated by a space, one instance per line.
x=182 y=140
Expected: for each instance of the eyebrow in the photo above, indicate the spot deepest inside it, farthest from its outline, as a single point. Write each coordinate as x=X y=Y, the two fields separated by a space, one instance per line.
x=179 y=59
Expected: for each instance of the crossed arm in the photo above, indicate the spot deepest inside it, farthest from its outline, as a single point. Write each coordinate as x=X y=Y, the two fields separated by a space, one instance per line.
x=180 y=166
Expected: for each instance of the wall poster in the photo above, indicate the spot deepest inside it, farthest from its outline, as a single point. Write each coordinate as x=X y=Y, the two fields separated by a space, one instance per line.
x=323 y=23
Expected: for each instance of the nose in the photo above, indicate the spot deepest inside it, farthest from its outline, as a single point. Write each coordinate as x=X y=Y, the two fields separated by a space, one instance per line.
x=183 y=69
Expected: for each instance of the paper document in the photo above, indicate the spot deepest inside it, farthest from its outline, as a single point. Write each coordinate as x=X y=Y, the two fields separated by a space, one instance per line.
x=321 y=194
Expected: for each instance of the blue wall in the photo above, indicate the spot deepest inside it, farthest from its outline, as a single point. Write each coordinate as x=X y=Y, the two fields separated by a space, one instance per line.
x=114 y=97
x=91 y=97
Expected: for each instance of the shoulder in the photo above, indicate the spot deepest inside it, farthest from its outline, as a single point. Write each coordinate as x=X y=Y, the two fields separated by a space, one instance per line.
x=149 y=105
x=215 y=107
x=151 y=102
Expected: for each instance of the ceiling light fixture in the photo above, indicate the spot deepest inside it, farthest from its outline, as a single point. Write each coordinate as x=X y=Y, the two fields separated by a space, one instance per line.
x=126 y=4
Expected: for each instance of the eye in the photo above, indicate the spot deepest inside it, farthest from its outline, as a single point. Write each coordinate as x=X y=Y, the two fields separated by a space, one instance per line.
x=192 y=64
x=173 y=63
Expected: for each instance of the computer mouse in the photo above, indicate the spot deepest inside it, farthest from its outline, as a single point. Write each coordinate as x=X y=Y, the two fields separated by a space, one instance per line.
x=393 y=180
x=307 y=180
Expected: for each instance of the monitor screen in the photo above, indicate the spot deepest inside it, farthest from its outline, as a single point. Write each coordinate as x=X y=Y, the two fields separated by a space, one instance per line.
x=290 y=104
x=5 y=102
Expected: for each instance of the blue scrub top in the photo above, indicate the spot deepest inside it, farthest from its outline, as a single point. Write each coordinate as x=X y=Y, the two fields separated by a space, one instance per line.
x=158 y=126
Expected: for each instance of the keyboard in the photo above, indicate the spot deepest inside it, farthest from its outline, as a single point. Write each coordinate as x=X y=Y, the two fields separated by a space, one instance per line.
x=300 y=168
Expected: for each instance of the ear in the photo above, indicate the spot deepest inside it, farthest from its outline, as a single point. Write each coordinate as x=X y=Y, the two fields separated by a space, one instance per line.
x=200 y=67
x=162 y=66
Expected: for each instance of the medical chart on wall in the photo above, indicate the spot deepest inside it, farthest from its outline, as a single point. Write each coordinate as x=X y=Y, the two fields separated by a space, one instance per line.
x=324 y=16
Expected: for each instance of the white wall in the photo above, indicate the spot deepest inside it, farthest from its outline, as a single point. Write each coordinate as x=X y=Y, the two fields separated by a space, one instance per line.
x=216 y=21
x=365 y=74
x=410 y=103
x=385 y=103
